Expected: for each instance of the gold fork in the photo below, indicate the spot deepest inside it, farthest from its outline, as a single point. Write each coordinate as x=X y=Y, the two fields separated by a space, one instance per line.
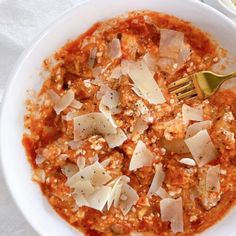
x=202 y=85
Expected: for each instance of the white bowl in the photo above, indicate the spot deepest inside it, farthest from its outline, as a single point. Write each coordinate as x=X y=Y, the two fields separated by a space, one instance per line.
x=222 y=6
x=16 y=169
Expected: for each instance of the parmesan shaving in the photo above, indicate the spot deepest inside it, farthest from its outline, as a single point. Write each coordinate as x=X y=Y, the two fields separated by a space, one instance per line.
x=69 y=170
x=61 y=103
x=201 y=148
x=137 y=91
x=99 y=198
x=187 y=161
x=115 y=192
x=128 y=198
x=173 y=51
x=139 y=127
x=92 y=57
x=141 y=157
x=192 y=113
x=157 y=180
x=125 y=66
x=171 y=42
x=196 y=127
x=80 y=163
x=110 y=99
x=106 y=162
x=114 y=49
x=84 y=187
x=92 y=123
x=115 y=140
x=151 y=61
x=142 y=108
x=116 y=73
x=213 y=179
x=94 y=173
x=76 y=104
x=172 y=211
x=161 y=192
x=143 y=79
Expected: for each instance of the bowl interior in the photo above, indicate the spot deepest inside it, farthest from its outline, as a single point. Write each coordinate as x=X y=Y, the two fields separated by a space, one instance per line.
x=26 y=76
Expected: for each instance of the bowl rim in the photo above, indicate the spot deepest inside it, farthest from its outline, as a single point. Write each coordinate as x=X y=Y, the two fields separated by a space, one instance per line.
x=226 y=8
x=20 y=62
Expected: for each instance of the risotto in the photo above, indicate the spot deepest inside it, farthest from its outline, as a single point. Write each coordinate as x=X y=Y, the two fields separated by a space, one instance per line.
x=113 y=151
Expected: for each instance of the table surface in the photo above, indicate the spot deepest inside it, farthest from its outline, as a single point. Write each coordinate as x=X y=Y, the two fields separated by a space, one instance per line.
x=12 y=222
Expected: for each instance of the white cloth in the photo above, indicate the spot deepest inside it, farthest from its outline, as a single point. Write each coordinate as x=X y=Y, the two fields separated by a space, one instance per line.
x=20 y=22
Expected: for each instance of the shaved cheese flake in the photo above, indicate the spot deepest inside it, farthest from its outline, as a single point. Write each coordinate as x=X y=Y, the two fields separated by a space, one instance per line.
x=192 y=113
x=173 y=51
x=151 y=61
x=202 y=148
x=70 y=116
x=61 y=103
x=74 y=145
x=172 y=211
x=107 y=113
x=54 y=96
x=80 y=200
x=114 y=49
x=106 y=162
x=103 y=89
x=110 y=99
x=141 y=157
x=99 y=198
x=137 y=91
x=115 y=140
x=84 y=187
x=114 y=192
x=161 y=192
x=142 y=108
x=94 y=173
x=117 y=195
x=69 y=170
x=96 y=71
x=187 y=161
x=171 y=42
x=76 y=104
x=196 y=127
x=143 y=79
x=213 y=179
x=139 y=127
x=125 y=66
x=92 y=57
x=116 y=73
x=92 y=123
x=80 y=163
x=157 y=180
x=128 y=198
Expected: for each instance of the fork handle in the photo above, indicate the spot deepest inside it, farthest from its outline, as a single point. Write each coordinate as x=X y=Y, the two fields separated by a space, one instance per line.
x=229 y=76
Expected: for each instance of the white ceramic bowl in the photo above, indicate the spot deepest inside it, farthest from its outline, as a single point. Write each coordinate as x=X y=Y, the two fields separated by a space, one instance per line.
x=223 y=6
x=16 y=169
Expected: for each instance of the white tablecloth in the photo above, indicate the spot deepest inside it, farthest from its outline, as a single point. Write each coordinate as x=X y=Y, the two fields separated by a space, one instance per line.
x=20 y=22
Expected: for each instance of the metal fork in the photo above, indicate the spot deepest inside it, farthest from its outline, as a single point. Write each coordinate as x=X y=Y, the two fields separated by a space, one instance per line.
x=202 y=85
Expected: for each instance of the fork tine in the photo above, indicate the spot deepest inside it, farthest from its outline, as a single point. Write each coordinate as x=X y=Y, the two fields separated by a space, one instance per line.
x=178 y=82
x=188 y=86
x=187 y=94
